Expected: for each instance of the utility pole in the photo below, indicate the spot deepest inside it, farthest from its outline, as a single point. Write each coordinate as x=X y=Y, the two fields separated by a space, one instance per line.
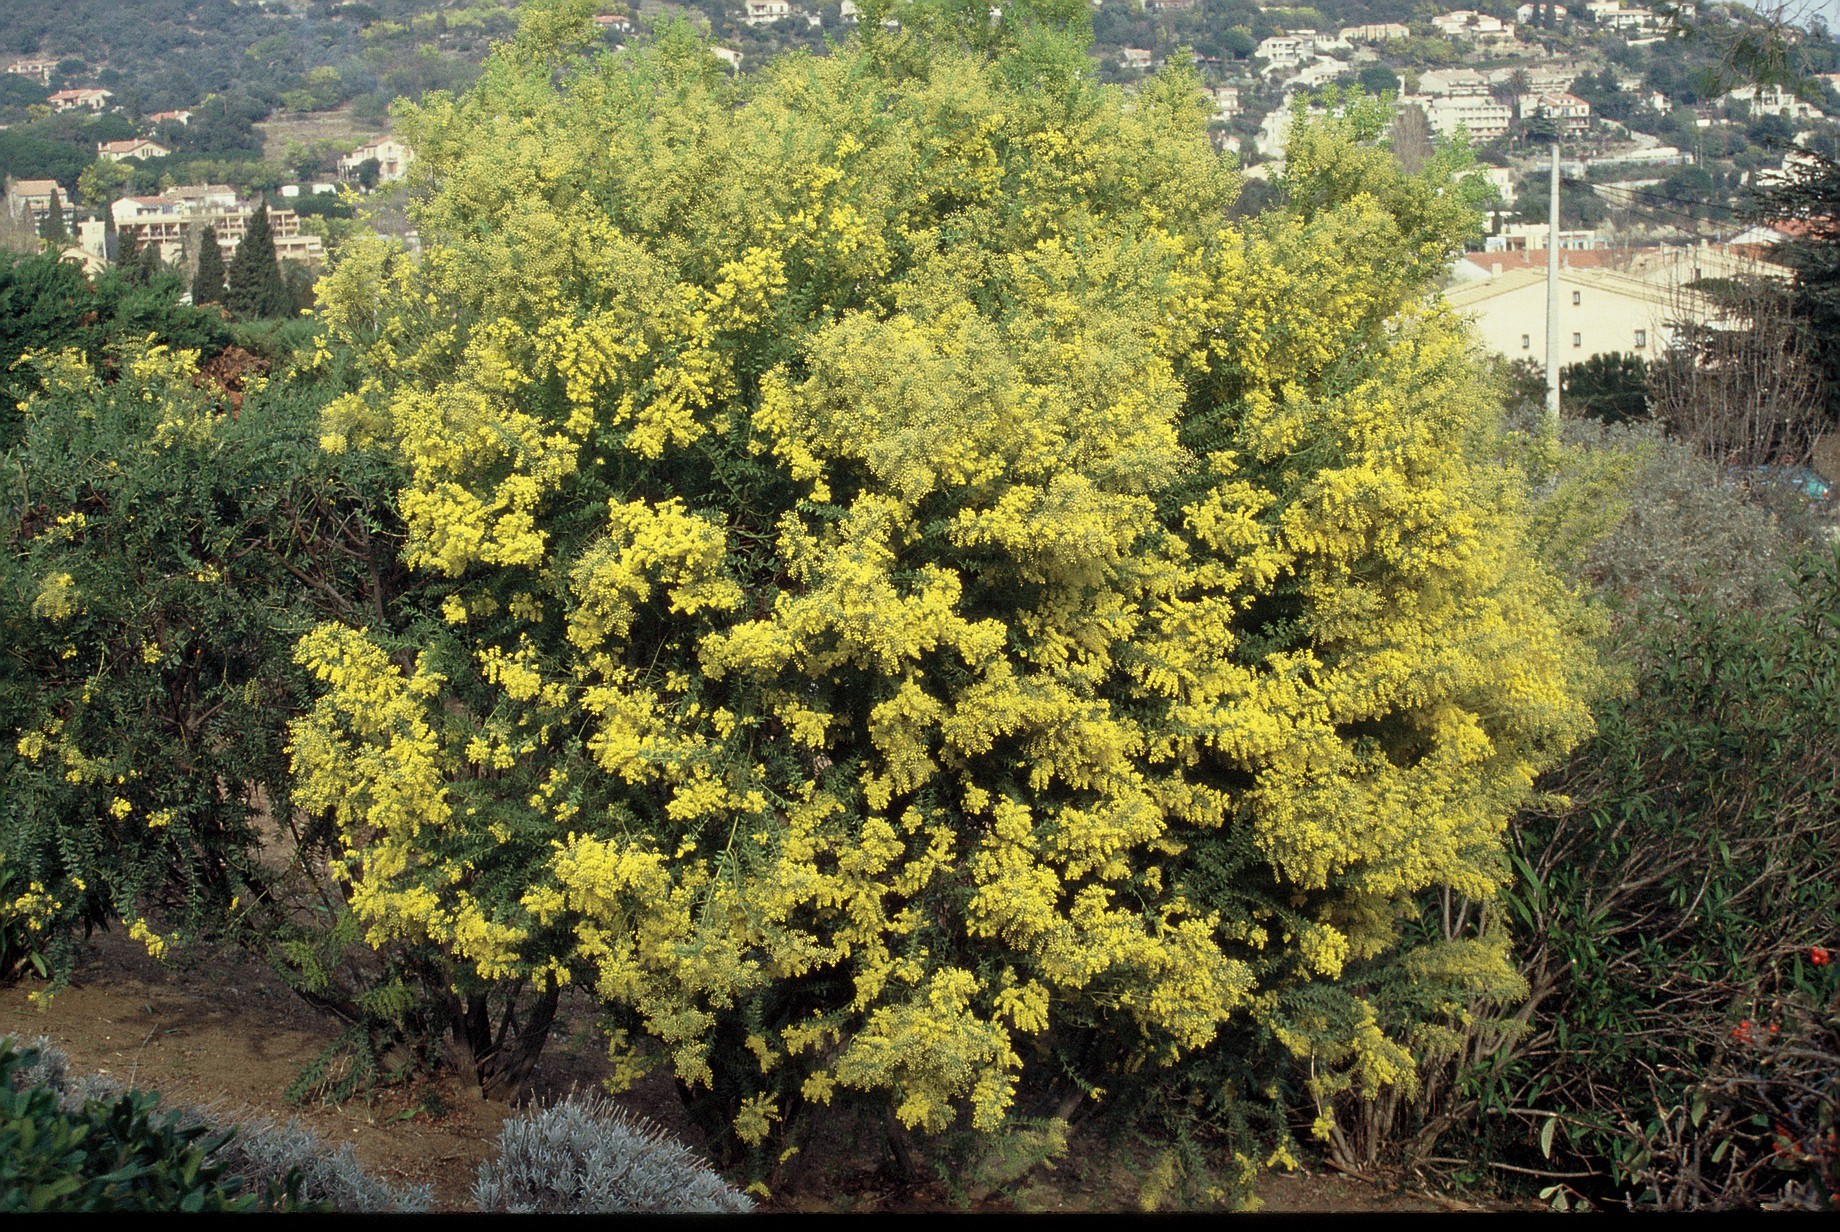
x=1552 y=300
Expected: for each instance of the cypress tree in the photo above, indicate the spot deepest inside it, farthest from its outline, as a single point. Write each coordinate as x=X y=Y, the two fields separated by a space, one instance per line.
x=53 y=228
x=208 y=282
x=255 y=285
x=150 y=264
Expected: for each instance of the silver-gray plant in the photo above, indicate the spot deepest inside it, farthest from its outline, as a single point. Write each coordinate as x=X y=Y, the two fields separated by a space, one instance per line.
x=584 y=1155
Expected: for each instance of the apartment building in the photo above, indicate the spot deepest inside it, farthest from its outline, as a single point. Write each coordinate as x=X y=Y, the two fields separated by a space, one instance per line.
x=175 y=219
x=1483 y=119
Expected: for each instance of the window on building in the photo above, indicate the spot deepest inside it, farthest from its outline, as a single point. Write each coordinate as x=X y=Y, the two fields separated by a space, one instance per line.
x=1577 y=340
x=1577 y=297
x=1641 y=339
x=1526 y=342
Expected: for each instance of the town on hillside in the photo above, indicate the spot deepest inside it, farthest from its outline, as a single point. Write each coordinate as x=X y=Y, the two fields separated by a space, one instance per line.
x=117 y=132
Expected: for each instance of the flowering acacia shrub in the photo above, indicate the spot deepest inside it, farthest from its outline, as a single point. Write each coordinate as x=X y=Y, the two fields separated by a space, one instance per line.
x=917 y=575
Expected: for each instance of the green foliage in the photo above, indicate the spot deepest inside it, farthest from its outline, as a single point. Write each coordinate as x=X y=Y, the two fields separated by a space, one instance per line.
x=163 y=548
x=292 y=1167
x=49 y=304
x=53 y=229
x=208 y=282
x=27 y=157
x=254 y=286
x=1612 y=388
x=1811 y=196
x=116 y=1155
x=1685 y=529
x=1678 y=914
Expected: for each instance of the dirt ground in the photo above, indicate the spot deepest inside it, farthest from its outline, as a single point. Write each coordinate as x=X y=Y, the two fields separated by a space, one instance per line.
x=225 y=1033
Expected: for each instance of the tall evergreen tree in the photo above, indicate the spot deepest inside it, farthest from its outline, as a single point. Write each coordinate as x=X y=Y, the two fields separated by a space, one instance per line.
x=1809 y=200
x=208 y=282
x=149 y=263
x=53 y=228
x=256 y=288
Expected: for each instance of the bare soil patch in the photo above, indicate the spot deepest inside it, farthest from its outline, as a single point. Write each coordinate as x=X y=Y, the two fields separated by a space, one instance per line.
x=308 y=127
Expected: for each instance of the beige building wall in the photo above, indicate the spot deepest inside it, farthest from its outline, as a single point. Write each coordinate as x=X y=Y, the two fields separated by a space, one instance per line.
x=1599 y=313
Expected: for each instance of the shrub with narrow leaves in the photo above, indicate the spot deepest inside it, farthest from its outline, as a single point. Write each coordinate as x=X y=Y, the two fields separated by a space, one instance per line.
x=586 y=1156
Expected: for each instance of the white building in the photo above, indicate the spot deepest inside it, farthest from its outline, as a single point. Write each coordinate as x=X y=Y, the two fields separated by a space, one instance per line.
x=175 y=220
x=1499 y=178
x=1573 y=114
x=1600 y=313
x=138 y=148
x=1616 y=16
x=1316 y=73
x=1225 y=99
x=31 y=199
x=1453 y=83
x=1375 y=32
x=80 y=100
x=1531 y=237
x=765 y=12
x=1653 y=156
x=1473 y=27
x=393 y=159
x=1610 y=300
x=1773 y=100
x=1282 y=51
x=1483 y=119
x=38 y=68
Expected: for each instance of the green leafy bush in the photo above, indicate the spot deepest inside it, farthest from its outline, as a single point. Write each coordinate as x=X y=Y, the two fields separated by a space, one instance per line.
x=161 y=547
x=254 y=1156
x=1679 y=916
x=115 y=1155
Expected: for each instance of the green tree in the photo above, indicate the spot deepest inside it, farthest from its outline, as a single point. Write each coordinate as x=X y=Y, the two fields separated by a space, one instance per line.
x=53 y=230
x=103 y=182
x=147 y=265
x=1809 y=198
x=1612 y=387
x=1378 y=79
x=48 y=304
x=254 y=286
x=208 y=282
x=924 y=595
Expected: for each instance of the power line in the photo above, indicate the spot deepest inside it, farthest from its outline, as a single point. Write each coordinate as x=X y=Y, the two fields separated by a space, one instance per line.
x=1667 y=206
x=1656 y=199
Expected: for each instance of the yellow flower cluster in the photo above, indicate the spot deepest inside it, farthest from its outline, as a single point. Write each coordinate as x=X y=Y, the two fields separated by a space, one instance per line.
x=993 y=544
